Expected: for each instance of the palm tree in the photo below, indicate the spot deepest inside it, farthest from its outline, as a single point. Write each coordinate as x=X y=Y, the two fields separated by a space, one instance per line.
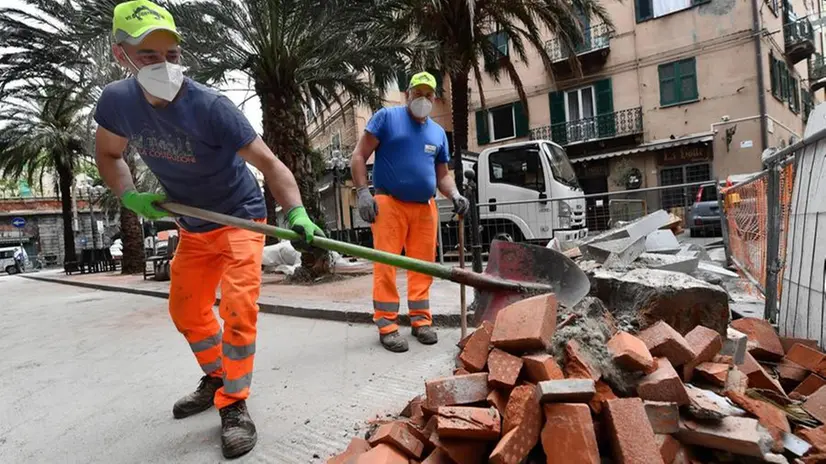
x=462 y=29
x=44 y=130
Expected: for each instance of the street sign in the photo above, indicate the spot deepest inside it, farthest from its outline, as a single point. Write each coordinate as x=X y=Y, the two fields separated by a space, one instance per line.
x=18 y=222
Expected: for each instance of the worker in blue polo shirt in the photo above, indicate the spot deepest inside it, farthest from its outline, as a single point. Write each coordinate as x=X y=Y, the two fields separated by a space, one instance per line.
x=412 y=157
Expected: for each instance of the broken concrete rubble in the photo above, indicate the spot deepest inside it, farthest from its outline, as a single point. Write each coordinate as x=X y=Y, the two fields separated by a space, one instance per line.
x=674 y=263
x=662 y=241
x=615 y=253
x=735 y=345
x=636 y=229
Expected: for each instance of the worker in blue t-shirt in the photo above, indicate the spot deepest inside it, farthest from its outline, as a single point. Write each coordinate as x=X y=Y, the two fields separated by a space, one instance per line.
x=412 y=157
x=197 y=144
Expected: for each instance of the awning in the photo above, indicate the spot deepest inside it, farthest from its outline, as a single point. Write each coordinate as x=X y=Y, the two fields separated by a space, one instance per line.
x=651 y=146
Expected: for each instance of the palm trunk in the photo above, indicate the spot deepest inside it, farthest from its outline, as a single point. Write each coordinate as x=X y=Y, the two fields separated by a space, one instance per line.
x=272 y=219
x=65 y=176
x=285 y=134
x=459 y=86
x=131 y=232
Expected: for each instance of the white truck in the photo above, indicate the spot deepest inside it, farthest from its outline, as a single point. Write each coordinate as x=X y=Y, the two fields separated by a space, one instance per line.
x=527 y=192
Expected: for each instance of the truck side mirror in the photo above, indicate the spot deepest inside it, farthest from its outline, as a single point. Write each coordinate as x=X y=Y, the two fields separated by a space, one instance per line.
x=470 y=175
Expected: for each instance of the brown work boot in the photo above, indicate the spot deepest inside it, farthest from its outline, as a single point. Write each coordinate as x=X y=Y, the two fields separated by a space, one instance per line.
x=426 y=335
x=238 y=434
x=200 y=400
x=393 y=342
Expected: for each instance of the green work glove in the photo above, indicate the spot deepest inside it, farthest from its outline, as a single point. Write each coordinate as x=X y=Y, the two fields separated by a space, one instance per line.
x=143 y=204
x=301 y=224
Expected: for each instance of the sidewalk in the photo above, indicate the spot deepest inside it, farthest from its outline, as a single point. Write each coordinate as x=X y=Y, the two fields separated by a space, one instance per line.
x=349 y=299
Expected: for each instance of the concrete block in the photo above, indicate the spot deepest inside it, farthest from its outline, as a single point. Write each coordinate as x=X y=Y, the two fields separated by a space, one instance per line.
x=662 y=241
x=615 y=253
x=636 y=229
x=798 y=446
x=566 y=391
x=738 y=435
x=735 y=346
x=674 y=263
x=711 y=267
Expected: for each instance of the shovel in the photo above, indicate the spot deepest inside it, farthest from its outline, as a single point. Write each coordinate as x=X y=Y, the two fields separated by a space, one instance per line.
x=515 y=271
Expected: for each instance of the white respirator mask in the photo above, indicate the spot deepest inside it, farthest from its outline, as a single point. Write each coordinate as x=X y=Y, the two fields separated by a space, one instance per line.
x=421 y=107
x=161 y=80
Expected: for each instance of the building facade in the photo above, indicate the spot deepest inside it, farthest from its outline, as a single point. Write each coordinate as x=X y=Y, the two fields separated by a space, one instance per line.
x=672 y=92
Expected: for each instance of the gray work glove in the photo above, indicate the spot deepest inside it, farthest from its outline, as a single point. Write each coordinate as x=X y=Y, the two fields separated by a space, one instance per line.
x=461 y=205
x=368 y=209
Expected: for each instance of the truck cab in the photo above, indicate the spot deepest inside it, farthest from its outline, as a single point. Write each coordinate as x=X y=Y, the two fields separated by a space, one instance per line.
x=527 y=191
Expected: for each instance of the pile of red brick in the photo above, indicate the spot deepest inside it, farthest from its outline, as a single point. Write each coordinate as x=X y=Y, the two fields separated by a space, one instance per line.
x=700 y=397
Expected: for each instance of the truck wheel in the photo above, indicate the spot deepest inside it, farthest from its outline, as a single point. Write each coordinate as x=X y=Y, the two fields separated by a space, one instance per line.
x=11 y=270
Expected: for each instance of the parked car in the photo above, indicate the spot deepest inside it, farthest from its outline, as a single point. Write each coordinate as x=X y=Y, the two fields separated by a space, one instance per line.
x=704 y=215
x=8 y=262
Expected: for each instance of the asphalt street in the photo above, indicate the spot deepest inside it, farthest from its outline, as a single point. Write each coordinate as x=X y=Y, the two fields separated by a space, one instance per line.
x=91 y=376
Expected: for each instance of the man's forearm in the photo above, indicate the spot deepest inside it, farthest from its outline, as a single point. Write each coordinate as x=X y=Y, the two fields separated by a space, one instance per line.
x=358 y=168
x=115 y=173
x=284 y=188
x=447 y=185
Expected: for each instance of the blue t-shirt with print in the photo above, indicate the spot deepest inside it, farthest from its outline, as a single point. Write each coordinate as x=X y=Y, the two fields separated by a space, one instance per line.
x=191 y=145
x=405 y=164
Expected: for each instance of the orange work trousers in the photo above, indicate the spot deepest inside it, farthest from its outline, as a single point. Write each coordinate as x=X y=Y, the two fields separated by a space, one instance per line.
x=411 y=226
x=231 y=257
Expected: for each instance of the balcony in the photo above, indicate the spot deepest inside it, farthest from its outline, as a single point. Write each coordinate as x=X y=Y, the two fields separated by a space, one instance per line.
x=601 y=127
x=817 y=72
x=593 y=50
x=799 y=39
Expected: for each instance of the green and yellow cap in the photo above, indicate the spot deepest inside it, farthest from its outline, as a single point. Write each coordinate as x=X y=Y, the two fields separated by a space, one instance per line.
x=132 y=21
x=423 y=78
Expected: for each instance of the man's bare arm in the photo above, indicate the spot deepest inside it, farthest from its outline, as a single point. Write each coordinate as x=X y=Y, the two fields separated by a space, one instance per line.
x=109 y=149
x=445 y=182
x=279 y=179
x=358 y=163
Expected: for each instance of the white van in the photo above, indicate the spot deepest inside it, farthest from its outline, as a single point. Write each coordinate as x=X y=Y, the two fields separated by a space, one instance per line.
x=7 y=261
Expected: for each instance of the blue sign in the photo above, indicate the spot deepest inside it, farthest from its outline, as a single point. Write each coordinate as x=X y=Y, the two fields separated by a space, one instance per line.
x=18 y=222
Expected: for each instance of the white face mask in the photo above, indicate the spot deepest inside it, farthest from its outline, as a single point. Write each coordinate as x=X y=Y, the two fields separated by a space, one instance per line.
x=161 y=80
x=421 y=107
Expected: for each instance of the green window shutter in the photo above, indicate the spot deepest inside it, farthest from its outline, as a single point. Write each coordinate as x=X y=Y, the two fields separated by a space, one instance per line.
x=795 y=103
x=559 y=126
x=521 y=119
x=687 y=88
x=773 y=74
x=606 y=123
x=482 y=132
x=644 y=9
x=668 y=84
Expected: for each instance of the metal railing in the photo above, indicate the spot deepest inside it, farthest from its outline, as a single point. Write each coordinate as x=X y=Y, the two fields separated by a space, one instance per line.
x=817 y=67
x=798 y=31
x=596 y=37
x=602 y=126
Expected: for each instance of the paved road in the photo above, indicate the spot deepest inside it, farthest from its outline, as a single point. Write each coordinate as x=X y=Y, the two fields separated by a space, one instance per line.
x=91 y=376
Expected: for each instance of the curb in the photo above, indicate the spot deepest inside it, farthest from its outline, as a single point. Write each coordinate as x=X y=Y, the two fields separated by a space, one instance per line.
x=356 y=317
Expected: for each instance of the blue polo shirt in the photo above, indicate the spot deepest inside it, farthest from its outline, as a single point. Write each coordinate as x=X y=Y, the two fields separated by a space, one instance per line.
x=405 y=164
x=191 y=145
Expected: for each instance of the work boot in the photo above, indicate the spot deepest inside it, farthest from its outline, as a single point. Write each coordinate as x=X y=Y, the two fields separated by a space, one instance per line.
x=238 y=435
x=200 y=400
x=393 y=342
x=425 y=335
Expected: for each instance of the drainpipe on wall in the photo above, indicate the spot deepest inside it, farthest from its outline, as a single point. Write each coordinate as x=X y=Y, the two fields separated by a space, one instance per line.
x=761 y=88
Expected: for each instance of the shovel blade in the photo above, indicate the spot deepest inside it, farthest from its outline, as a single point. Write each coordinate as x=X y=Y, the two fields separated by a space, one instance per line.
x=522 y=262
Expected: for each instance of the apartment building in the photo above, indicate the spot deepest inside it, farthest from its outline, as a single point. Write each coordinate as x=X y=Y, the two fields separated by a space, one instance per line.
x=672 y=93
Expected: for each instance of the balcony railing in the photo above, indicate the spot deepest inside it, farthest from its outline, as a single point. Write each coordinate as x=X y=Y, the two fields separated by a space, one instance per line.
x=817 y=67
x=799 y=39
x=596 y=37
x=600 y=127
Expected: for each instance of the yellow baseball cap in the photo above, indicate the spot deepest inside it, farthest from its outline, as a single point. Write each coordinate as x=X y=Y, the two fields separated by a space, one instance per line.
x=423 y=78
x=133 y=21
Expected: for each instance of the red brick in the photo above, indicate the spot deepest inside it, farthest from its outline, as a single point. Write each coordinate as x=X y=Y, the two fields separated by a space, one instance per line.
x=499 y=400
x=577 y=365
x=816 y=404
x=706 y=343
x=630 y=352
x=632 y=437
x=457 y=390
x=356 y=447
x=398 y=435
x=541 y=367
x=805 y=356
x=758 y=377
x=723 y=359
x=526 y=325
x=382 y=454
x=438 y=456
x=815 y=437
x=669 y=447
x=736 y=381
x=713 y=373
x=568 y=435
x=767 y=344
x=738 y=435
x=475 y=353
x=769 y=415
x=790 y=373
x=810 y=385
x=470 y=423
x=413 y=408
x=460 y=371
x=421 y=434
x=523 y=405
x=603 y=394
x=663 y=385
x=503 y=369
x=463 y=451
x=663 y=341
x=789 y=342
x=663 y=416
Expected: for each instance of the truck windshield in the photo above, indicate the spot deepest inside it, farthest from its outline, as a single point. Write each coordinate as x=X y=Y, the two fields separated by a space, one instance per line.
x=562 y=170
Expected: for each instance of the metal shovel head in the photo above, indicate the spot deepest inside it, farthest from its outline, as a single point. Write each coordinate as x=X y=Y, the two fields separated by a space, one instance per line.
x=522 y=262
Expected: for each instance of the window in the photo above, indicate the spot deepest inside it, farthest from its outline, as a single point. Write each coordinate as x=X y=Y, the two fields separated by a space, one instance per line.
x=794 y=102
x=682 y=196
x=561 y=166
x=774 y=75
x=650 y=9
x=7 y=254
x=502 y=124
x=579 y=113
x=678 y=82
x=500 y=41
x=335 y=141
x=520 y=168
x=807 y=103
x=773 y=6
